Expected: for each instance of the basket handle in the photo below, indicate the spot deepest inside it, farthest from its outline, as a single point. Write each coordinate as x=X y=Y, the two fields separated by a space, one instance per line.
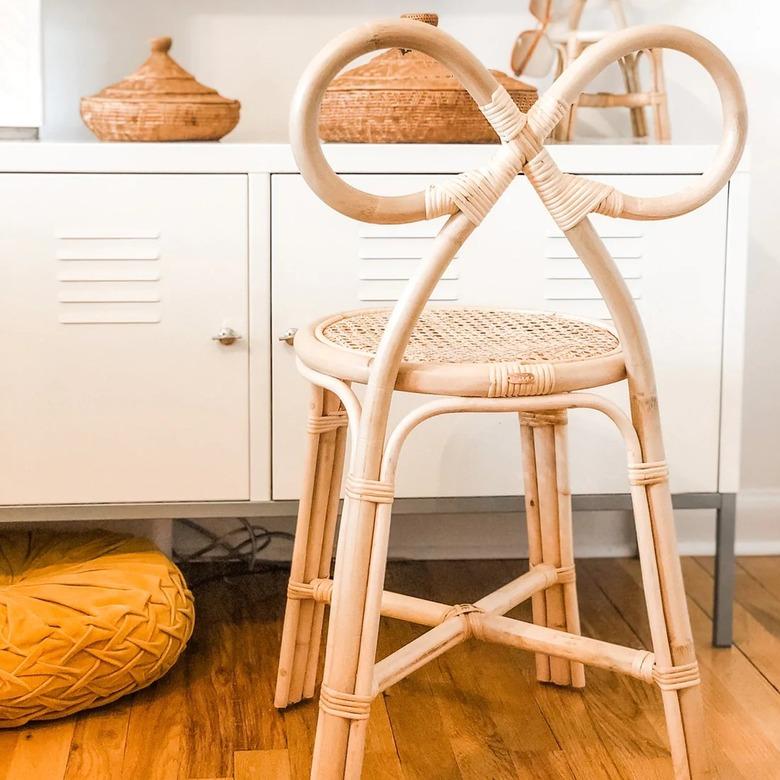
x=304 y=116
x=595 y=58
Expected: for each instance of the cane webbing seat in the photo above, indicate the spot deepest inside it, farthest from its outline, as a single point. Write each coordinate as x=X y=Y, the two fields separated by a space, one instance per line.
x=471 y=351
x=84 y=619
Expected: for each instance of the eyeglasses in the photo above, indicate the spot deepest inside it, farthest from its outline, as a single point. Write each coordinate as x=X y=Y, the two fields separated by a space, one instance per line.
x=533 y=53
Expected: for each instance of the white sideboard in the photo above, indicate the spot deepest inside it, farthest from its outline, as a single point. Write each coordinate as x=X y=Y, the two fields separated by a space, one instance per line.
x=120 y=264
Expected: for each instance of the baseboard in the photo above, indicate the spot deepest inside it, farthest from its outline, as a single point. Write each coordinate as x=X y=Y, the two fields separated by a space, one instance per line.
x=502 y=535
x=465 y=536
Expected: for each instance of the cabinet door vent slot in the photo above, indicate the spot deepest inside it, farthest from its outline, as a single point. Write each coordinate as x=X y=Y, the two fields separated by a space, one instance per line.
x=116 y=234
x=388 y=260
x=108 y=277
x=98 y=253
x=569 y=285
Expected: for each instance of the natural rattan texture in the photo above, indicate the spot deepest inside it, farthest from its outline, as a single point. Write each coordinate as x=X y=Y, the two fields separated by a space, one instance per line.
x=405 y=96
x=84 y=619
x=159 y=102
x=483 y=361
x=466 y=335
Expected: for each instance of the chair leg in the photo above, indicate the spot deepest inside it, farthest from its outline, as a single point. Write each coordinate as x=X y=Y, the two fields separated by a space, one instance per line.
x=312 y=553
x=563 y=131
x=675 y=659
x=346 y=693
x=550 y=540
x=661 y=123
x=629 y=66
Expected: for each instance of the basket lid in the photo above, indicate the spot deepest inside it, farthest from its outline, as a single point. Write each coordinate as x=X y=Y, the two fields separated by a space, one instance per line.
x=161 y=78
x=405 y=69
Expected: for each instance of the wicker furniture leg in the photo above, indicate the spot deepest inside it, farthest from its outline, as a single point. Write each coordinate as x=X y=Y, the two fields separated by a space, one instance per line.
x=629 y=67
x=564 y=130
x=342 y=704
x=548 y=509
x=534 y=525
x=315 y=530
x=661 y=124
x=675 y=671
x=566 y=542
x=686 y=732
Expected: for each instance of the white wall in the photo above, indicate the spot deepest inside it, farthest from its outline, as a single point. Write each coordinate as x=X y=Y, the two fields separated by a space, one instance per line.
x=21 y=94
x=255 y=49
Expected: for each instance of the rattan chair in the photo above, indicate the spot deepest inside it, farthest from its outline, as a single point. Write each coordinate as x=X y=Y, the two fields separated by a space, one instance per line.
x=571 y=43
x=483 y=360
x=559 y=40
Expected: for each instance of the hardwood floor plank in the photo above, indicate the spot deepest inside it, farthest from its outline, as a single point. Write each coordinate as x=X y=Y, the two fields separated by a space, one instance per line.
x=382 y=762
x=627 y=712
x=411 y=704
x=476 y=712
x=156 y=730
x=552 y=765
x=256 y=764
x=41 y=750
x=258 y=604
x=507 y=682
x=565 y=711
x=211 y=690
x=8 y=740
x=756 y=620
x=98 y=746
x=466 y=710
x=231 y=671
x=741 y=746
x=765 y=569
x=300 y=722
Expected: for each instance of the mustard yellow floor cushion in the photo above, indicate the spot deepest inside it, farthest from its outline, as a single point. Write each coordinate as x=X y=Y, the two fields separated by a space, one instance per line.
x=84 y=619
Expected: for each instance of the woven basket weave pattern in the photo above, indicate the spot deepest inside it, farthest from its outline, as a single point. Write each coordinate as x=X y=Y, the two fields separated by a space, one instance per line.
x=84 y=619
x=429 y=116
x=478 y=336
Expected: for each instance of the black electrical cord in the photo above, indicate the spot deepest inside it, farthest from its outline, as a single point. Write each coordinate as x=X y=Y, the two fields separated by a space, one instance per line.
x=239 y=545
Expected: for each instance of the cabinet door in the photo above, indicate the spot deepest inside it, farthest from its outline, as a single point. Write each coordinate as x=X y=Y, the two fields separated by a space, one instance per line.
x=516 y=258
x=111 y=289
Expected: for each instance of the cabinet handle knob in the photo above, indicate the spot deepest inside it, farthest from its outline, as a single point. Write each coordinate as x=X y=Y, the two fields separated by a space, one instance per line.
x=227 y=336
x=288 y=335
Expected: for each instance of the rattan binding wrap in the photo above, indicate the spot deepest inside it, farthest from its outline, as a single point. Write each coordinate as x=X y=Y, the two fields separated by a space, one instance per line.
x=403 y=96
x=470 y=335
x=84 y=618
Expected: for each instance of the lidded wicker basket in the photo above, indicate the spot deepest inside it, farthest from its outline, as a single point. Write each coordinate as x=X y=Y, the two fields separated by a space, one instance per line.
x=159 y=102
x=403 y=96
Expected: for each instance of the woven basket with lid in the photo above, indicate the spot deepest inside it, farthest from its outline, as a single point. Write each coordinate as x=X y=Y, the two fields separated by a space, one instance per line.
x=404 y=96
x=159 y=102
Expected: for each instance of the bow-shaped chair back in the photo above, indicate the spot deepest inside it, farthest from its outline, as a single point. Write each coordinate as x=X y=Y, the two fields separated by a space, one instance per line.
x=470 y=196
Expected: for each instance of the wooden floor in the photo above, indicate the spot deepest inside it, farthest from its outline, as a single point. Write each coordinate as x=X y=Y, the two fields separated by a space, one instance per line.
x=474 y=713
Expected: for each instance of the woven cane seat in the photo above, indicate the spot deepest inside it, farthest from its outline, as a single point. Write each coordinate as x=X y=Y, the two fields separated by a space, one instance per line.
x=471 y=352
x=84 y=619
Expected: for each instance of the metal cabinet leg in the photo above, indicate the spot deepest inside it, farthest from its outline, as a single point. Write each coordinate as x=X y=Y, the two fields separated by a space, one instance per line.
x=725 y=563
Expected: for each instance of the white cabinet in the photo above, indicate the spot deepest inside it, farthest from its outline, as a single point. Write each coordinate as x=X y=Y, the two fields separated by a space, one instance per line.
x=111 y=289
x=120 y=262
x=322 y=262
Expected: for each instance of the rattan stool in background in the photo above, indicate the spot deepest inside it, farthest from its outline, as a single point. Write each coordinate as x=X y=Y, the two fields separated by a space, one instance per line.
x=559 y=40
x=483 y=360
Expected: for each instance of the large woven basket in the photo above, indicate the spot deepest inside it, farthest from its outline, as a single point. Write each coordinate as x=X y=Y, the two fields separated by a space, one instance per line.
x=159 y=102
x=84 y=619
x=404 y=96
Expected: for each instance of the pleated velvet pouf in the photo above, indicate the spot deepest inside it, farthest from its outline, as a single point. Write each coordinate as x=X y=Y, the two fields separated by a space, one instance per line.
x=84 y=619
